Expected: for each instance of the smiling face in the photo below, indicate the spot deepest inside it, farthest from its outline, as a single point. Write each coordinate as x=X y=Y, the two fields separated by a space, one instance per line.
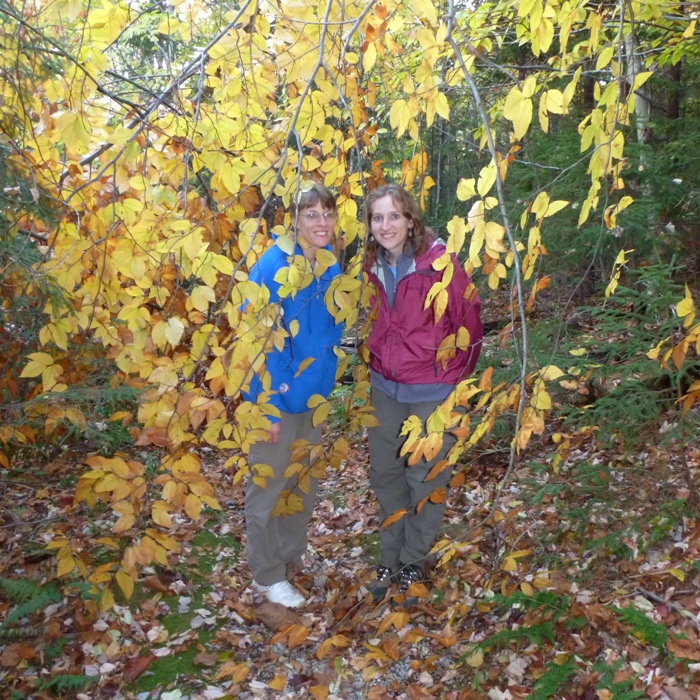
x=390 y=227
x=315 y=228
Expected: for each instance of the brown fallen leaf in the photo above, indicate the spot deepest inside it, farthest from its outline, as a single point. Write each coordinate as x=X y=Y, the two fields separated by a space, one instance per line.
x=675 y=693
x=684 y=649
x=136 y=665
x=275 y=616
x=204 y=659
x=318 y=692
x=155 y=584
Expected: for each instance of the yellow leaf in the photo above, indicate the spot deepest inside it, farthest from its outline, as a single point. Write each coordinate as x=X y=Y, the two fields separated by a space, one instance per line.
x=66 y=563
x=686 y=308
x=303 y=365
x=321 y=413
x=474 y=658
x=542 y=400
x=73 y=131
x=278 y=683
x=555 y=206
x=466 y=189
x=201 y=297
x=39 y=361
x=550 y=372
x=457 y=229
x=517 y=109
x=126 y=583
x=369 y=58
x=604 y=57
x=487 y=179
x=193 y=506
x=509 y=564
x=554 y=101
x=315 y=400
x=680 y=575
x=106 y=600
x=237 y=672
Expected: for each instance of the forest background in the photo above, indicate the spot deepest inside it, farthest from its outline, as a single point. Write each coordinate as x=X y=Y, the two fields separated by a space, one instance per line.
x=149 y=152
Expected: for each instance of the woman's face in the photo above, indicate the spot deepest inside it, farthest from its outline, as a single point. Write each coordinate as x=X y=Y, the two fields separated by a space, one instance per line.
x=389 y=226
x=315 y=229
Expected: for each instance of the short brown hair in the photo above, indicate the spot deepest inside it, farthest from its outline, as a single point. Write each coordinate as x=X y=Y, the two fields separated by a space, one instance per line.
x=316 y=193
x=421 y=237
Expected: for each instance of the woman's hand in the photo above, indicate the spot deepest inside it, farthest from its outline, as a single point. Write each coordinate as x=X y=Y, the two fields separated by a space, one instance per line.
x=275 y=429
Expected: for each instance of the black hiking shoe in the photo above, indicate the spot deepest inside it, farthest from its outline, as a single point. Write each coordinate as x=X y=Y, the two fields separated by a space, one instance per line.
x=382 y=582
x=406 y=577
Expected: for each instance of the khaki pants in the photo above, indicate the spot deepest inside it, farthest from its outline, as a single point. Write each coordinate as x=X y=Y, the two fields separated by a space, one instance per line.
x=273 y=542
x=398 y=486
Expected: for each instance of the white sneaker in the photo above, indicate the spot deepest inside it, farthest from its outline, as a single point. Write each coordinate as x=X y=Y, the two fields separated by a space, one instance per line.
x=283 y=593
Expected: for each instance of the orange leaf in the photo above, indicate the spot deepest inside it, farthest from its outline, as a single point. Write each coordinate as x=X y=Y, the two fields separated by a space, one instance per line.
x=394 y=517
x=318 y=692
x=297 y=635
x=278 y=683
x=438 y=496
x=485 y=382
x=390 y=645
x=323 y=649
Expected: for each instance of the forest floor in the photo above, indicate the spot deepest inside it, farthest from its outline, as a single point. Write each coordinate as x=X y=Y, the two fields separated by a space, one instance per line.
x=585 y=585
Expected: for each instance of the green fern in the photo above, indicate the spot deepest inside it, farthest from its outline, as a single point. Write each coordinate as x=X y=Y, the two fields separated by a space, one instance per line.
x=30 y=597
x=530 y=634
x=18 y=590
x=554 y=678
x=546 y=602
x=644 y=629
x=71 y=683
x=621 y=690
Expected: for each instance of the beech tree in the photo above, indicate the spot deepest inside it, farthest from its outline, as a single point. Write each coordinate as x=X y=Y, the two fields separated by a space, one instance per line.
x=135 y=208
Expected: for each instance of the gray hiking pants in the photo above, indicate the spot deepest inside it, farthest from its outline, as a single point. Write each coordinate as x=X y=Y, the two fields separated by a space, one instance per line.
x=399 y=486
x=273 y=542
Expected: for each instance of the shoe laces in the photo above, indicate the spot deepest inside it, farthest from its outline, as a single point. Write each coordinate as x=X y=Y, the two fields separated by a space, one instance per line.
x=409 y=575
x=384 y=574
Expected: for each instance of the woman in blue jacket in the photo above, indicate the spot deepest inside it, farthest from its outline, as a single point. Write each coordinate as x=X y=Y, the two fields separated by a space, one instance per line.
x=276 y=541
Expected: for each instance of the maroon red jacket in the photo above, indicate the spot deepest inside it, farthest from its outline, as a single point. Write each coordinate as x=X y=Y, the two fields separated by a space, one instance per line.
x=404 y=340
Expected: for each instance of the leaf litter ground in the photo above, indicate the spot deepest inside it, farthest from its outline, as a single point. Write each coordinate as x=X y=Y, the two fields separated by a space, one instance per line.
x=586 y=584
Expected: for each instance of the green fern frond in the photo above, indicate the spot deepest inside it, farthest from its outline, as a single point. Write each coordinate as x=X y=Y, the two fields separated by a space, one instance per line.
x=530 y=634
x=554 y=678
x=18 y=590
x=644 y=629
x=32 y=598
x=621 y=690
x=62 y=683
x=545 y=601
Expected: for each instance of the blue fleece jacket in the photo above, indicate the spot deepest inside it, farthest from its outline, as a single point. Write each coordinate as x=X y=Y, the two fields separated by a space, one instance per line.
x=317 y=336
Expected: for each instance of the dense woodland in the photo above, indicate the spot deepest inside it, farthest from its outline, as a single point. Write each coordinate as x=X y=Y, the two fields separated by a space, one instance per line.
x=149 y=153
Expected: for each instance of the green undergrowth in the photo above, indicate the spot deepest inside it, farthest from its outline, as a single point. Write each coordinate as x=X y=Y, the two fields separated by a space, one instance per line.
x=196 y=568
x=610 y=385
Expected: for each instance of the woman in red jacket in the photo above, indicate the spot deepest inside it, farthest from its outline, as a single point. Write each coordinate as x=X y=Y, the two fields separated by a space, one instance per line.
x=407 y=377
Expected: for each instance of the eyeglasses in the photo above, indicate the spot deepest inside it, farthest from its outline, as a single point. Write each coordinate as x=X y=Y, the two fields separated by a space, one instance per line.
x=315 y=216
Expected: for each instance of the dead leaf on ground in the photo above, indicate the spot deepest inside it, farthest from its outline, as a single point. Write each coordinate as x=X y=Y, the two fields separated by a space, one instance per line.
x=205 y=659
x=684 y=649
x=155 y=584
x=136 y=666
x=677 y=693
x=275 y=616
